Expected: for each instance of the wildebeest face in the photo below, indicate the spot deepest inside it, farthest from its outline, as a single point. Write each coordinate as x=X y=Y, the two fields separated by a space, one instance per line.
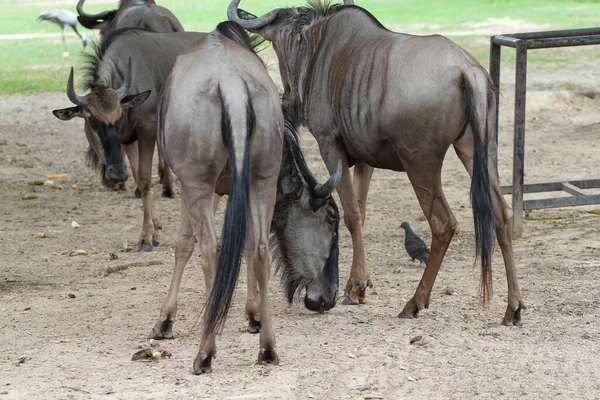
x=305 y=232
x=102 y=109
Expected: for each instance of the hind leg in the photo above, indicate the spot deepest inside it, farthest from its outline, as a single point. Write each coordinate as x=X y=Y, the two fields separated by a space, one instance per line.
x=503 y=217
x=183 y=251
x=164 y=173
x=426 y=181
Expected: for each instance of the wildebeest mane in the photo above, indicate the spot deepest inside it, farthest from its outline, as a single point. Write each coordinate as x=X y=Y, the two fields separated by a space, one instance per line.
x=232 y=30
x=93 y=60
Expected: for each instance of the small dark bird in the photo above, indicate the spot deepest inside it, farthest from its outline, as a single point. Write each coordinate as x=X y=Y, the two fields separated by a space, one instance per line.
x=65 y=19
x=414 y=245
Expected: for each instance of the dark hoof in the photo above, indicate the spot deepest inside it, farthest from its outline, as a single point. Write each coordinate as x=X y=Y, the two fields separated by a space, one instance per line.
x=268 y=356
x=349 y=302
x=137 y=194
x=513 y=314
x=167 y=193
x=144 y=248
x=202 y=364
x=402 y=315
x=254 y=324
x=163 y=328
x=155 y=242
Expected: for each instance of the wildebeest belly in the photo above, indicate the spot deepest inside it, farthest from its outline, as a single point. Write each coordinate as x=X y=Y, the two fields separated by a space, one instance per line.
x=378 y=153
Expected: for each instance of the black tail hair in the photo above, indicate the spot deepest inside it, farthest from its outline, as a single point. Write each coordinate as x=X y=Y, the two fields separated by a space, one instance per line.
x=233 y=30
x=235 y=226
x=481 y=198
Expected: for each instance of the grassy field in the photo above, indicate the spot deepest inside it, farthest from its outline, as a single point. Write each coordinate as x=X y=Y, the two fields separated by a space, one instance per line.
x=30 y=65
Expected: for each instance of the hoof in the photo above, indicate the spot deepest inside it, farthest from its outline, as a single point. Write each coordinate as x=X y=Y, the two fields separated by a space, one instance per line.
x=137 y=194
x=163 y=328
x=144 y=248
x=167 y=193
x=513 y=314
x=349 y=302
x=402 y=315
x=268 y=356
x=155 y=242
x=254 y=324
x=202 y=364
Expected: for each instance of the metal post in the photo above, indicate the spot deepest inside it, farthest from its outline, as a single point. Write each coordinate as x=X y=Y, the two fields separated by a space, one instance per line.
x=495 y=52
x=519 y=141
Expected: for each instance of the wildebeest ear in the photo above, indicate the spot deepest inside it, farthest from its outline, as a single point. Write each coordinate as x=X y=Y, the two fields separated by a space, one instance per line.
x=68 y=113
x=135 y=99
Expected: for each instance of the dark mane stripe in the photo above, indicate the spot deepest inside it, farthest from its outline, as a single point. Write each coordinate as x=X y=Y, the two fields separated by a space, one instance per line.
x=93 y=60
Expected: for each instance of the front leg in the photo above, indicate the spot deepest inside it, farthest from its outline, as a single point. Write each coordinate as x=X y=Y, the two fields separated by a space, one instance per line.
x=131 y=150
x=151 y=223
x=362 y=180
x=359 y=274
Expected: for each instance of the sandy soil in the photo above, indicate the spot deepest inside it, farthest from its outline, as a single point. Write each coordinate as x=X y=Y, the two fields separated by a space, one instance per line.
x=79 y=323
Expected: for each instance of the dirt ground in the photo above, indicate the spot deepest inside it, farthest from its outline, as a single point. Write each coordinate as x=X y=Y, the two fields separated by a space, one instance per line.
x=75 y=322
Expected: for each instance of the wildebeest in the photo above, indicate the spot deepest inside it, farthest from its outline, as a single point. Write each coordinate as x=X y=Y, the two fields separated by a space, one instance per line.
x=139 y=13
x=135 y=14
x=379 y=99
x=124 y=77
x=65 y=19
x=221 y=131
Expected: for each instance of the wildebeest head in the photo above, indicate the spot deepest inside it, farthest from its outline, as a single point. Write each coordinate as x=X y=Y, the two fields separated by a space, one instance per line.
x=295 y=44
x=103 y=109
x=305 y=230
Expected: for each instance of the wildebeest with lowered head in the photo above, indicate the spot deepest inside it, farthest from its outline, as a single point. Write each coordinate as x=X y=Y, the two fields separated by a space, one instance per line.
x=380 y=99
x=124 y=77
x=132 y=14
x=221 y=131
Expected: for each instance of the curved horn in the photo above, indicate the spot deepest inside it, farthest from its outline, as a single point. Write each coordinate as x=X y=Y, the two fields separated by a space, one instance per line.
x=346 y=2
x=126 y=86
x=82 y=13
x=74 y=97
x=254 y=23
x=325 y=189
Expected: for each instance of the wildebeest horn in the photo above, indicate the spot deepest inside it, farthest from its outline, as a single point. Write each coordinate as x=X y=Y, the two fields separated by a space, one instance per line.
x=325 y=189
x=252 y=23
x=82 y=13
x=346 y=2
x=124 y=89
x=74 y=97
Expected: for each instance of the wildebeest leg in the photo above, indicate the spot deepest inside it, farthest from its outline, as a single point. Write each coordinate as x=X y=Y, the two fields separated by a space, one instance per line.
x=258 y=258
x=252 y=298
x=198 y=200
x=359 y=274
x=183 y=251
x=426 y=181
x=503 y=217
x=131 y=150
x=164 y=173
x=362 y=179
x=151 y=224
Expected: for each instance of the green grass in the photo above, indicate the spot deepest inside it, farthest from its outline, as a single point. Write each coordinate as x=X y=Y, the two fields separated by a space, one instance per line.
x=36 y=65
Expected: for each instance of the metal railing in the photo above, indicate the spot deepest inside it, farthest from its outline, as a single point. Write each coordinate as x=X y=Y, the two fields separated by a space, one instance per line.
x=523 y=42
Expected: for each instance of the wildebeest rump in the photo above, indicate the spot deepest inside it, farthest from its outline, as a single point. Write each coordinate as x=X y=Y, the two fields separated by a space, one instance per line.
x=376 y=98
x=145 y=58
x=221 y=131
x=136 y=14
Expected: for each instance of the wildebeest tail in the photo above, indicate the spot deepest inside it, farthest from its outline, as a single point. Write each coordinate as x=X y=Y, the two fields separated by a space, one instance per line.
x=479 y=99
x=235 y=225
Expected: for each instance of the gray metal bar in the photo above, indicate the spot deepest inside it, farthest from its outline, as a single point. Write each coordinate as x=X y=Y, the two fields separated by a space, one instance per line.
x=561 y=202
x=519 y=141
x=547 y=43
x=574 y=190
x=555 y=34
x=554 y=186
x=505 y=40
x=495 y=53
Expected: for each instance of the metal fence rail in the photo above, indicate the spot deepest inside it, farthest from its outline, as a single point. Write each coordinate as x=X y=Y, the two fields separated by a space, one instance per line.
x=523 y=42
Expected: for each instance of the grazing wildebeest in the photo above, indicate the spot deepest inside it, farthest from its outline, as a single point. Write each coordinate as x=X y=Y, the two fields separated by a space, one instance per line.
x=130 y=60
x=135 y=14
x=65 y=19
x=221 y=131
x=379 y=99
